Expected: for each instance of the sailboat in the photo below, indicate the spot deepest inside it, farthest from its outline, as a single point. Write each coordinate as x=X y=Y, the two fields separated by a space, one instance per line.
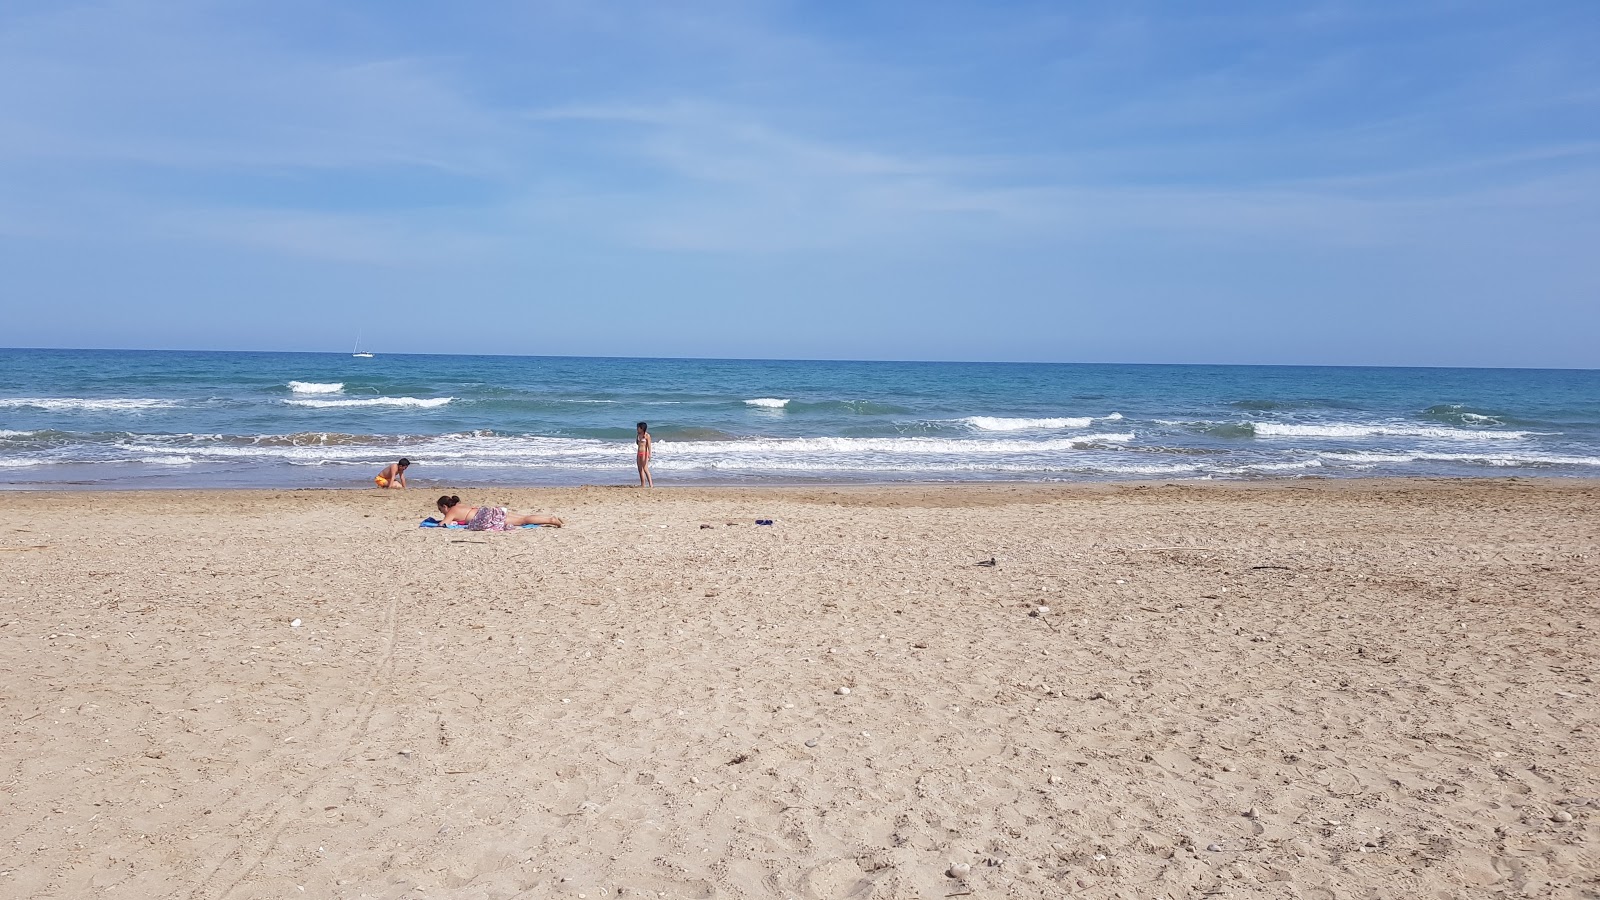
x=357 y=352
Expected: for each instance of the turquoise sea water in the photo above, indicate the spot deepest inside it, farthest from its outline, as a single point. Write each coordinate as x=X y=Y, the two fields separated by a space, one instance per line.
x=185 y=419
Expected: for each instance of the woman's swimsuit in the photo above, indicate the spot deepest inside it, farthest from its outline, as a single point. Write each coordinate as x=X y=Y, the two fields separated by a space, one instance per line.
x=488 y=518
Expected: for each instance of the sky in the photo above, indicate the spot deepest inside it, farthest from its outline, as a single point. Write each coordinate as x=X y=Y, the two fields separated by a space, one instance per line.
x=1345 y=183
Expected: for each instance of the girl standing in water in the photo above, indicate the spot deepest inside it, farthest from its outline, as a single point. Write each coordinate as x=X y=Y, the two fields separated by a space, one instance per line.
x=642 y=438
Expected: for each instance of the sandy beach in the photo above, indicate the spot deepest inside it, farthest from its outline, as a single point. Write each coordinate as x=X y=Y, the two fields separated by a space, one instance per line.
x=1298 y=689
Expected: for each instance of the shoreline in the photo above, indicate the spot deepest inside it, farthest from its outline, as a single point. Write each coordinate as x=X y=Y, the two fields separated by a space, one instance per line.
x=1263 y=482
x=1362 y=686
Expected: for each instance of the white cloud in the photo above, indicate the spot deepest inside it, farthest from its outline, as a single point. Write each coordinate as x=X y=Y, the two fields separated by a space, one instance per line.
x=737 y=135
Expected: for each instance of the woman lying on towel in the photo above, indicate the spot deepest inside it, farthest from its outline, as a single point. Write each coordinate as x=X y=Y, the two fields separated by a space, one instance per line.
x=487 y=518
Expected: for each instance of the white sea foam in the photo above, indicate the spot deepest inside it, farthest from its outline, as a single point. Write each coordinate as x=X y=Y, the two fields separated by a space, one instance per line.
x=1053 y=456
x=419 y=402
x=1279 y=467
x=167 y=460
x=1086 y=455
x=481 y=450
x=1172 y=469
x=1340 y=430
x=1499 y=460
x=911 y=446
x=833 y=465
x=81 y=403
x=768 y=402
x=317 y=387
x=505 y=450
x=1114 y=417
x=998 y=423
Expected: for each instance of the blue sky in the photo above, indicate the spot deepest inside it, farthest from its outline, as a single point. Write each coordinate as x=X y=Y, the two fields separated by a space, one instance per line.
x=1331 y=183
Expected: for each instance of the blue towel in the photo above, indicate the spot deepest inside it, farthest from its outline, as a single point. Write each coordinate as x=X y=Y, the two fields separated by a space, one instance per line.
x=431 y=522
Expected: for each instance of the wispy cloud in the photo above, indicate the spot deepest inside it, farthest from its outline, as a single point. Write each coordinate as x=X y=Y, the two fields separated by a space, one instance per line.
x=137 y=84
x=367 y=134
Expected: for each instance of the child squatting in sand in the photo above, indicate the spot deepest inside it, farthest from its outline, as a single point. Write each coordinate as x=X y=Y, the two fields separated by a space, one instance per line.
x=487 y=518
x=394 y=476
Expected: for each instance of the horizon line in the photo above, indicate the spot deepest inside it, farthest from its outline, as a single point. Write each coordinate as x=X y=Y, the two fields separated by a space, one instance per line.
x=974 y=362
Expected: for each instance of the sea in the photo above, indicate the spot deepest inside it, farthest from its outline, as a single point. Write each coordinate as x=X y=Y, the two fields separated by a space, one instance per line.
x=172 y=419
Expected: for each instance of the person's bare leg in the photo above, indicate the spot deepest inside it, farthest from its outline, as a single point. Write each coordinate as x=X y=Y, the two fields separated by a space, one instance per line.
x=533 y=519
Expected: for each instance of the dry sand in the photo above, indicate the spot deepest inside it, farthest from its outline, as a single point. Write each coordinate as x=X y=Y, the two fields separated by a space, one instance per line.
x=1379 y=689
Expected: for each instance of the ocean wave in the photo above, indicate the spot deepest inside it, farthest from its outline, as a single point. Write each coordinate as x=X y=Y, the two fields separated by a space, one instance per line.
x=999 y=423
x=1497 y=460
x=417 y=402
x=1279 y=466
x=295 y=439
x=1457 y=414
x=867 y=467
x=906 y=446
x=514 y=450
x=692 y=433
x=853 y=407
x=1112 y=469
x=1227 y=429
x=1268 y=405
x=920 y=467
x=82 y=403
x=768 y=402
x=717 y=456
x=320 y=448
x=1102 y=441
x=317 y=387
x=58 y=438
x=1342 y=430
x=166 y=460
x=1086 y=455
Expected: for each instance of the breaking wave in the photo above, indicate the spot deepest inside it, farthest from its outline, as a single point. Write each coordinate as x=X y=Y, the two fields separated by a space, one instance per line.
x=416 y=402
x=317 y=387
x=80 y=403
x=1340 y=430
x=999 y=423
x=1496 y=460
